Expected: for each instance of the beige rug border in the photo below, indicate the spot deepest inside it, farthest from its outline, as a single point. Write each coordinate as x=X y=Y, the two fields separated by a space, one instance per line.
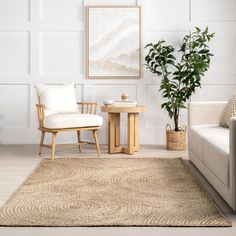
x=208 y=195
x=138 y=158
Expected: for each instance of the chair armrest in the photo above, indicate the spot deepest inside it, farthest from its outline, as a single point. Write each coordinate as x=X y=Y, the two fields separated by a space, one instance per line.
x=232 y=161
x=88 y=107
x=200 y=113
x=40 y=112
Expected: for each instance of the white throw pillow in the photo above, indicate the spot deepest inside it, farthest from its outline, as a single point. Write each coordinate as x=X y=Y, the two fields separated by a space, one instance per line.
x=57 y=98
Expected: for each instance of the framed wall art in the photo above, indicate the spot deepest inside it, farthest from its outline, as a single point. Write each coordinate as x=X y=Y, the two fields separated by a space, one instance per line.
x=113 y=42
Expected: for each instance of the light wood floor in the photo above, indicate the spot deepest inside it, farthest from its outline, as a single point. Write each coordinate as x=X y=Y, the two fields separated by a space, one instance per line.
x=18 y=161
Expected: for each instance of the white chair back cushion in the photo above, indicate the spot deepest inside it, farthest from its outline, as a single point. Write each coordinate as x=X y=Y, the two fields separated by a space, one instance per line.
x=57 y=98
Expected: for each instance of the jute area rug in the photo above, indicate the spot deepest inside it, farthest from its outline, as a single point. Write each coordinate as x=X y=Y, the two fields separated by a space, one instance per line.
x=111 y=192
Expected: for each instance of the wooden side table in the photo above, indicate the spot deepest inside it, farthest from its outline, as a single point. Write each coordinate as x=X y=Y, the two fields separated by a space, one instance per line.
x=114 y=128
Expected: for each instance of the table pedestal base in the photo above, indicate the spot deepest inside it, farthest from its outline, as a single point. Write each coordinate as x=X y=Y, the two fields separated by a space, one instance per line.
x=114 y=133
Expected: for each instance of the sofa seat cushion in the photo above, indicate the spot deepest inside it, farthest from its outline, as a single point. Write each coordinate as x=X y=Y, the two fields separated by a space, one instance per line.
x=72 y=120
x=215 y=134
x=214 y=149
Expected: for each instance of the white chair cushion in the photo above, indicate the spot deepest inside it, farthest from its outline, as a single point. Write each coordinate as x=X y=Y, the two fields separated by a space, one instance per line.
x=57 y=98
x=212 y=143
x=72 y=120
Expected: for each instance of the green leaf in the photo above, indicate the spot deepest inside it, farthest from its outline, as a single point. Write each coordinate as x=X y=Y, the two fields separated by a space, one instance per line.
x=148 y=45
x=205 y=31
x=197 y=29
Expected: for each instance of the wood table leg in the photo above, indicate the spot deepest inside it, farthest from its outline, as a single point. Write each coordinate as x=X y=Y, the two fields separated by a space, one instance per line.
x=114 y=133
x=117 y=129
x=131 y=134
x=136 y=132
x=111 y=132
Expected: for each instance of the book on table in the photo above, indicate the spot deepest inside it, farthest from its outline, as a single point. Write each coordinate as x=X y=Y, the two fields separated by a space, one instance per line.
x=125 y=104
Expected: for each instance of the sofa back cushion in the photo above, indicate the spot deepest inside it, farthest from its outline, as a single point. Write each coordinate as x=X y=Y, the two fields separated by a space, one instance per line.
x=57 y=98
x=228 y=112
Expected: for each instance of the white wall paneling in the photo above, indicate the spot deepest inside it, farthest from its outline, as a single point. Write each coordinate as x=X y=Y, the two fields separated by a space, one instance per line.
x=216 y=92
x=155 y=116
x=14 y=56
x=224 y=61
x=14 y=112
x=61 y=10
x=213 y=10
x=55 y=49
x=14 y=10
x=167 y=10
x=41 y=41
x=14 y=106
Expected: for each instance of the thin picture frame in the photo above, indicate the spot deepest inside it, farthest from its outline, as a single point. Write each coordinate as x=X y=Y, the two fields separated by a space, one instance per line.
x=87 y=45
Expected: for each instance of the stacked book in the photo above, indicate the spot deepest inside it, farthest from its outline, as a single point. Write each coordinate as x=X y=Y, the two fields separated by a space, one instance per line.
x=125 y=104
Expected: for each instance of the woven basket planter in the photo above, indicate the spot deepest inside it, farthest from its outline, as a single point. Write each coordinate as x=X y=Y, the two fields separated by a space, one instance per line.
x=175 y=140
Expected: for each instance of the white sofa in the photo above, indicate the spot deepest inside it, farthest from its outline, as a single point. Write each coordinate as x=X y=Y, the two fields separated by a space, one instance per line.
x=212 y=149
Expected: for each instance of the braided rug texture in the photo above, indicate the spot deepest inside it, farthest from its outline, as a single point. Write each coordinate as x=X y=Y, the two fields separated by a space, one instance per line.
x=111 y=192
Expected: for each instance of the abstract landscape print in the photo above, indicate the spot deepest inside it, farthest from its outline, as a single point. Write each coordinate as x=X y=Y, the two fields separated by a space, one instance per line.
x=113 y=42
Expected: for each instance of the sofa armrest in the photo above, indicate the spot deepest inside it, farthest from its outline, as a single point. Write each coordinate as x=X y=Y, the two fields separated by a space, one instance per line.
x=200 y=113
x=232 y=161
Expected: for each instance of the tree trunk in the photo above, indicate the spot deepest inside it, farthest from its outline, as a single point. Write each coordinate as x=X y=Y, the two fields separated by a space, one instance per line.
x=176 y=119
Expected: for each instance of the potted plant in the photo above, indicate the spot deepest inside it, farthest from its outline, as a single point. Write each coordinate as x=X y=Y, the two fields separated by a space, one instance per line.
x=179 y=79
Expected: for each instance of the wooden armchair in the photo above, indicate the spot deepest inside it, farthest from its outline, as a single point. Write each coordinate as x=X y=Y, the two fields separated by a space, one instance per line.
x=85 y=108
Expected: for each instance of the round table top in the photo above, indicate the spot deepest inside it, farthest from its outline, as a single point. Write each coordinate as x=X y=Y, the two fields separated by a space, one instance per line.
x=112 y=109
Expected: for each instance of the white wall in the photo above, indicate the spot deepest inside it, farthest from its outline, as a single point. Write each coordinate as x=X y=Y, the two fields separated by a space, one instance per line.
x=41 y=41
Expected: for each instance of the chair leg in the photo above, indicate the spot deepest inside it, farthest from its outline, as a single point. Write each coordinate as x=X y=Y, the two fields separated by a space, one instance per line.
x=79 y=139
x=41 y=142
x=53 y=145
x=96 y=141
